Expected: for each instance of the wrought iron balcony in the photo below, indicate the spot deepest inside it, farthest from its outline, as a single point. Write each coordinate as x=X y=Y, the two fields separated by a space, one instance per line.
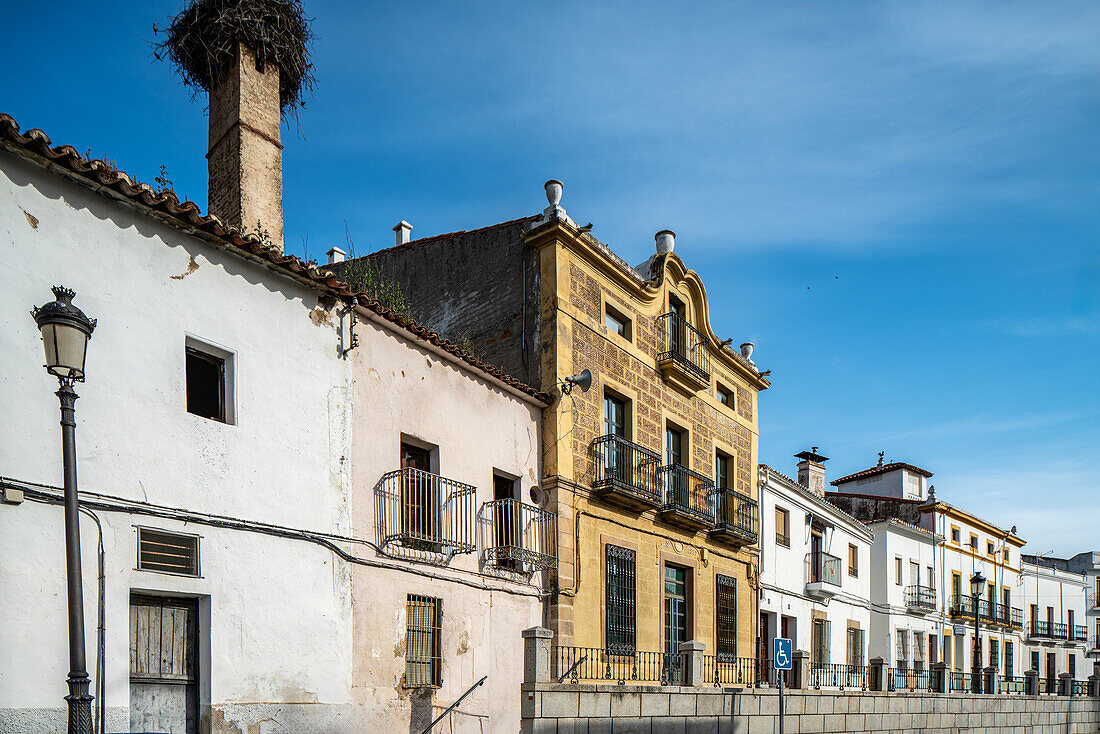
x=688 y=497
x=419 y=512
x=990 y=612
x=684 y=357
x=626 y=473
x=517 y=536
x=824 y=574
x=783 y=540
x=1080 y=633
x=920 y=599
x=1047 y=630
x=736 y=518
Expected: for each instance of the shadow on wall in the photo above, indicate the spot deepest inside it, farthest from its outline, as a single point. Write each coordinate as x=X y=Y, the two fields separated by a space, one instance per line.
x=420 y=710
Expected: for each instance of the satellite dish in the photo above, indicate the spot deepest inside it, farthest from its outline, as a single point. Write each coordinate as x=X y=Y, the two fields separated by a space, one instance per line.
x=583 y=381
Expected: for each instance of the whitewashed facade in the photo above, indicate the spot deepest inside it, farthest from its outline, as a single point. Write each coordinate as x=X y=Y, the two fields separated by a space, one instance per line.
x=1056 y=631
x=815 y=576
x=1088 y=564
x=271 y=610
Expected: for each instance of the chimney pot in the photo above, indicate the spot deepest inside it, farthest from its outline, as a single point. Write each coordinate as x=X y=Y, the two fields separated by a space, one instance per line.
x=811 y=471
x=666 y=241
x=404 y=231
x=336 y=255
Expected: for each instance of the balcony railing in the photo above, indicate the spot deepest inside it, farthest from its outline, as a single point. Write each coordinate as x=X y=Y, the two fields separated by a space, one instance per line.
x=837 y=675
x=783 y=540
x=516 y=536
x=736 y=517
x=688 y=497
x=907 y=679
x=626 y=473
x=1094 y=644
x=574 y=664
x=1048 y=630
x=963 y=606
x=824 y=568
x=920 y=598
x=1080 y=633
x=418 y=511
x=683 y=348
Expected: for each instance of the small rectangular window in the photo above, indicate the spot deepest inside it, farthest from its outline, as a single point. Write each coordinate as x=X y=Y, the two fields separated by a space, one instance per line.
x=621 y=589
x=1007 y=556
x=853 y=560
x=726 y=615
x=782 y=528
x=423 y=642
x=989 y=548
x=209 y=381
x=167 y=552
x=954 y=535
x=617 y=322
x=974 y=542
x=897 y=570
x=721 y=471
x=724 y=395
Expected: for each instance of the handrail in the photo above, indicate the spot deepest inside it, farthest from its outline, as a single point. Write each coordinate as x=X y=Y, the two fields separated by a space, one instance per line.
x=455 y=704
x=572 y=667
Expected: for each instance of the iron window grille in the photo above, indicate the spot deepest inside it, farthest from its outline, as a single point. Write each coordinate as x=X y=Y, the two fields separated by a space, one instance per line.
x=621 y=600
x=423 y=512
x=726 y=613
x=167 y=552
x=423 y=642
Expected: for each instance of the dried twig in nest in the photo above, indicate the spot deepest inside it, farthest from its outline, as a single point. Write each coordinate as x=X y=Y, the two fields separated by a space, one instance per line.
x=202 y=42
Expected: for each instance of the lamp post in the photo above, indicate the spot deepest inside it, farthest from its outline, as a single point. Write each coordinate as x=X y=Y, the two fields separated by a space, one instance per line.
x=65 y=332
x=977 y=583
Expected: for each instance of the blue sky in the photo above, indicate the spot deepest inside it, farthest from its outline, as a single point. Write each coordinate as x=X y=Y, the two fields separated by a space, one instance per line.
x=898 y=203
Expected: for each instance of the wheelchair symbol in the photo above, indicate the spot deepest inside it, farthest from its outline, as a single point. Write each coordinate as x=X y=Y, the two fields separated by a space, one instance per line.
x=781 y=655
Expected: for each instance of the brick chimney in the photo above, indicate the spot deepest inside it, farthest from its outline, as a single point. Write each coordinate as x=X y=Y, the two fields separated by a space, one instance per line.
x=245 y=160
x=811 y=470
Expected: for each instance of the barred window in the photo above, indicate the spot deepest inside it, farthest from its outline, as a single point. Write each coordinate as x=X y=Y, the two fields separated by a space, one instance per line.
x=726 y=614
x=167 y=552
x=621 y=603
x=423 y=642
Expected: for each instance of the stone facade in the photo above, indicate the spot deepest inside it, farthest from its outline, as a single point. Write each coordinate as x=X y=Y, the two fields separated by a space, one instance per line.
x=245 y=159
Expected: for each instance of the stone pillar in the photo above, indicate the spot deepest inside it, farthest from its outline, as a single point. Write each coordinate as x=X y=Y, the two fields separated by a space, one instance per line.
x=691 y=657
x=245 y=157
x=1094 y=686
x=939 y=677
x=878 y=674
x=989 y=680
x=1031 y=682
x=1065 y=684
x=536 y=655
x=800 y=670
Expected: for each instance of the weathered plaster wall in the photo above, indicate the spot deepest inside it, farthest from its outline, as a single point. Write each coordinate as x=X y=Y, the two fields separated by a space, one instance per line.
x=477 y=427
x=277 y=611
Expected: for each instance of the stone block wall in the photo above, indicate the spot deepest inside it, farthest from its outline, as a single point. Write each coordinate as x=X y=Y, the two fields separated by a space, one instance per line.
x=549 y=708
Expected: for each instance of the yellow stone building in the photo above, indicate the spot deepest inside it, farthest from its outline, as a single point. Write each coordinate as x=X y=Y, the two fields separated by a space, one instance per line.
x=651 y=470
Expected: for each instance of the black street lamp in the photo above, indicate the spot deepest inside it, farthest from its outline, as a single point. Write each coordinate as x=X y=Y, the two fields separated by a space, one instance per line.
x=65 y=332
x=977 y=583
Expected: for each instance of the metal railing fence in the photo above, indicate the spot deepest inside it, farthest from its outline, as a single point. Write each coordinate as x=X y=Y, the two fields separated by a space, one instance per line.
x=684 y=345
x=597 y=664
x=687 y=492
x=626 y=467
x=920 y=597
x=838 y=675
x=737 y=513
x=824 y=567
x=907 y=679
x=516 y=535
x=723 y=671
x=418 y=511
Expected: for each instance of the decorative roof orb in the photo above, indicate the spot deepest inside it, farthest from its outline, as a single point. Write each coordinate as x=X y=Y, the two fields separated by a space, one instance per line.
x=201 y=41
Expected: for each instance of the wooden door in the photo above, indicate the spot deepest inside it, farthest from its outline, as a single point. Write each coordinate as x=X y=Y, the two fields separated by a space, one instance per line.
x=418 y=496
x=163 y=665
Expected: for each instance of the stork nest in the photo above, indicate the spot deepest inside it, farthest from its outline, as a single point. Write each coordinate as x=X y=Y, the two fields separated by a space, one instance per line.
x=201 y=41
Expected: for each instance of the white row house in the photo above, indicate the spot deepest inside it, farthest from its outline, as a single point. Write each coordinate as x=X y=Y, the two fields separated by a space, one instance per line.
x=1055 y=632
x=815 y=575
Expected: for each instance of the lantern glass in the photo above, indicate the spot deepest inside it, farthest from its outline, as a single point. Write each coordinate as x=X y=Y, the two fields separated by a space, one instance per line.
x=977 y=583
x=65 y=346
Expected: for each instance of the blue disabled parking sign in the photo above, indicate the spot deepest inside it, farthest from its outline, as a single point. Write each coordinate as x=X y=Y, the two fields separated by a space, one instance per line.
x=781 y=653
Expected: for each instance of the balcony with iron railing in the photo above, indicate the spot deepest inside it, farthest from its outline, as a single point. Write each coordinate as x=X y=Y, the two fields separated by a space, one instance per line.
x=1040 y=629
x=626 y=473
x=824 y=574
x=518 y=537
x=736 y=518
x=988 y=612
x=1094 y=645
x=684 y=357
x=1080 y=633
x=423 y=515
x=920 y=599
x=688 y=500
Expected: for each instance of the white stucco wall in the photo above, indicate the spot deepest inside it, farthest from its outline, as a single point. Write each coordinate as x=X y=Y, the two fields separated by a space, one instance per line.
x=478 y=427
x=1064 y=591
x=279 y=627
x=784 y=571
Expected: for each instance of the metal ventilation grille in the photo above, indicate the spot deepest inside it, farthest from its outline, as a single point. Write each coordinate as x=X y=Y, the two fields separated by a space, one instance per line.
x=168 y=552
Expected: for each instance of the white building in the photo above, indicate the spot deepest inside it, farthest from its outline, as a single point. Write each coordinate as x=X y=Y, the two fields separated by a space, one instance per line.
x=213 y=431
x=1056 y=633
x=815 y=571
x=1088 y=564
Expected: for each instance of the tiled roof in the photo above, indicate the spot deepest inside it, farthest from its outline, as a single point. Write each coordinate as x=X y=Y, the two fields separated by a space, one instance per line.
x=438 y=238
x=876 y=470
x=165 y=205
x=859 y=495
x=810 y=494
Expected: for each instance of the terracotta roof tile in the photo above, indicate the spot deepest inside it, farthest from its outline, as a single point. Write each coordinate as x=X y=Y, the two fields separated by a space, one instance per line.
x=876 y=470
x=36 y=146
